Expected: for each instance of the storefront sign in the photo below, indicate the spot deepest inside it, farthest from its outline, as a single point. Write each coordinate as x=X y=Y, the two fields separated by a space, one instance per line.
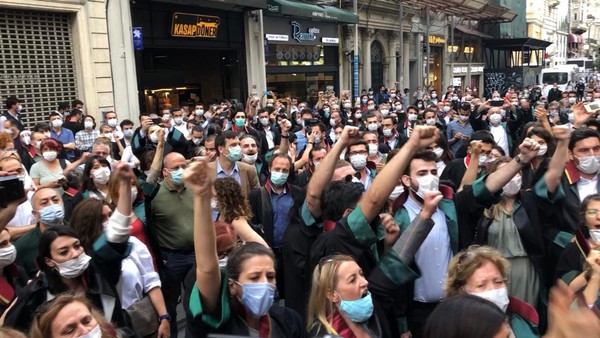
x=195 y=26
x=298 y=35
x=330 y=40
x=456 y=81
x=277 y=37
x=300 y=32
x=463 y=70
x=436 y=40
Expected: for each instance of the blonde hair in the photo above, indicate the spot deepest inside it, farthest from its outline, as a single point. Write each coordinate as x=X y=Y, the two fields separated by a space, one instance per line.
x=114 y=184
x=324 y=281
x=463 y=265
x=47 y=312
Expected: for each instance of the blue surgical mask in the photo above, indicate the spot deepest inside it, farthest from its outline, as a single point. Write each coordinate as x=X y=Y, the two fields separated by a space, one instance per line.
x=177 y=176
x=128 y=133
x=235 y=154
x=52 y=214
x=257 y=297
x=278 y=179
x=359 y=310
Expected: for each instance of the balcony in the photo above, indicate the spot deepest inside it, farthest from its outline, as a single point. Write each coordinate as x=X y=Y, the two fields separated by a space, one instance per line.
x=578 y=27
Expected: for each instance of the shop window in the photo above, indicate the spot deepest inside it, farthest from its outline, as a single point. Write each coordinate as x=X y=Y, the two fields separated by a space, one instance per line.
x=305 y=86
x=376 y=64
x=172 y=78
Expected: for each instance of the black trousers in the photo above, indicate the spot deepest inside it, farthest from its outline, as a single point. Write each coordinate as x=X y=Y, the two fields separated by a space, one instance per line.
x=417 y=317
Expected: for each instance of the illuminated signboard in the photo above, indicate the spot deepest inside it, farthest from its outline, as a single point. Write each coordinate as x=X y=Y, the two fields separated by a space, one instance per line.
x=195 y=26
x=436 y=40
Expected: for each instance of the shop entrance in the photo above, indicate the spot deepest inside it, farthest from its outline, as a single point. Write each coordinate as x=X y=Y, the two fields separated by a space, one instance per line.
x=171 y=77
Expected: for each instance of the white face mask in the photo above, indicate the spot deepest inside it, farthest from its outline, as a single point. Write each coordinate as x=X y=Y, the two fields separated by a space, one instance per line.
x=57 y=123
x=75 y=267
x=178 y=120
x=88 y=124
x=385 y=112
x=438 y=152
x=427 y=183
x=50 y=155
x=482 y=160
x=95 y=333
x=595 y=235
x=398 y=190
x=589 y=164
x=387 y=133
x=372 y=127
x=430 y=122
x=7 y=256
x=496 y=296
x=101 y=175
x=495 y=119
x=112 y=122
x=412 y=117
x=513 y=186
x=154 y=138
x=543 y=149
x=359 y=162
x=134 y=192
x=250 y=159
x=373 y=150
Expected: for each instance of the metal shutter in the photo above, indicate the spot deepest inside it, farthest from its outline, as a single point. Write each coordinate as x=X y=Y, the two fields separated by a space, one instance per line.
x=36 y=61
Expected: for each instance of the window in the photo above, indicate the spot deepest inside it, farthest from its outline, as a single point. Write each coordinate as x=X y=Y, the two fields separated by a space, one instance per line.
x=36 y=59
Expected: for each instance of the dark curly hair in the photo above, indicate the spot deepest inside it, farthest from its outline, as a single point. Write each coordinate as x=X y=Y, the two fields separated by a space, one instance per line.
x=232 y=203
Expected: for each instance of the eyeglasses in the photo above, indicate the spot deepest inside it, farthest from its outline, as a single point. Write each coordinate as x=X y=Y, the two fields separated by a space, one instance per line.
x=361 y=152
x=591 y=212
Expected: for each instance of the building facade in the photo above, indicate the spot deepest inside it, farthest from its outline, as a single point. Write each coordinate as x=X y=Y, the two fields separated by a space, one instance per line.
x=55 y=51
x=548 y=20
x=584 y=26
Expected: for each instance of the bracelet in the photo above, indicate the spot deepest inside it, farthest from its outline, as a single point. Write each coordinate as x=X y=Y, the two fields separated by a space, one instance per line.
x=163 y=317
x=285 y=136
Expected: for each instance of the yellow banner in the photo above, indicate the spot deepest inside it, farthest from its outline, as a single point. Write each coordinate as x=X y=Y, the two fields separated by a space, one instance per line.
x=187 y=25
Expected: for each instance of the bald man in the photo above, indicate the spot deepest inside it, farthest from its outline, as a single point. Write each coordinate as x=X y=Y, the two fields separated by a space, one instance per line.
x=170 y=223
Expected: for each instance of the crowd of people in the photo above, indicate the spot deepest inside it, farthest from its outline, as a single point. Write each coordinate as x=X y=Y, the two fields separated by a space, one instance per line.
x=389 y=215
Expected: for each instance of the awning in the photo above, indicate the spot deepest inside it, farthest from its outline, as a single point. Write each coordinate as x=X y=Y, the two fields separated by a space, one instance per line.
x=313 y=12
x=574 y=39
x=480 y=10
x=516 y=44
x=471 y=31
x=255 y=4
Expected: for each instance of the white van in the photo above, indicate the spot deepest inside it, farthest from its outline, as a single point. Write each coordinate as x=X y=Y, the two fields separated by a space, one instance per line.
x=565 y=75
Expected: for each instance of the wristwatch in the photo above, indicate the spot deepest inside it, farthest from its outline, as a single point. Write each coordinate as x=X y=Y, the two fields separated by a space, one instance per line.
x=521 y=161
x=165 y=316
